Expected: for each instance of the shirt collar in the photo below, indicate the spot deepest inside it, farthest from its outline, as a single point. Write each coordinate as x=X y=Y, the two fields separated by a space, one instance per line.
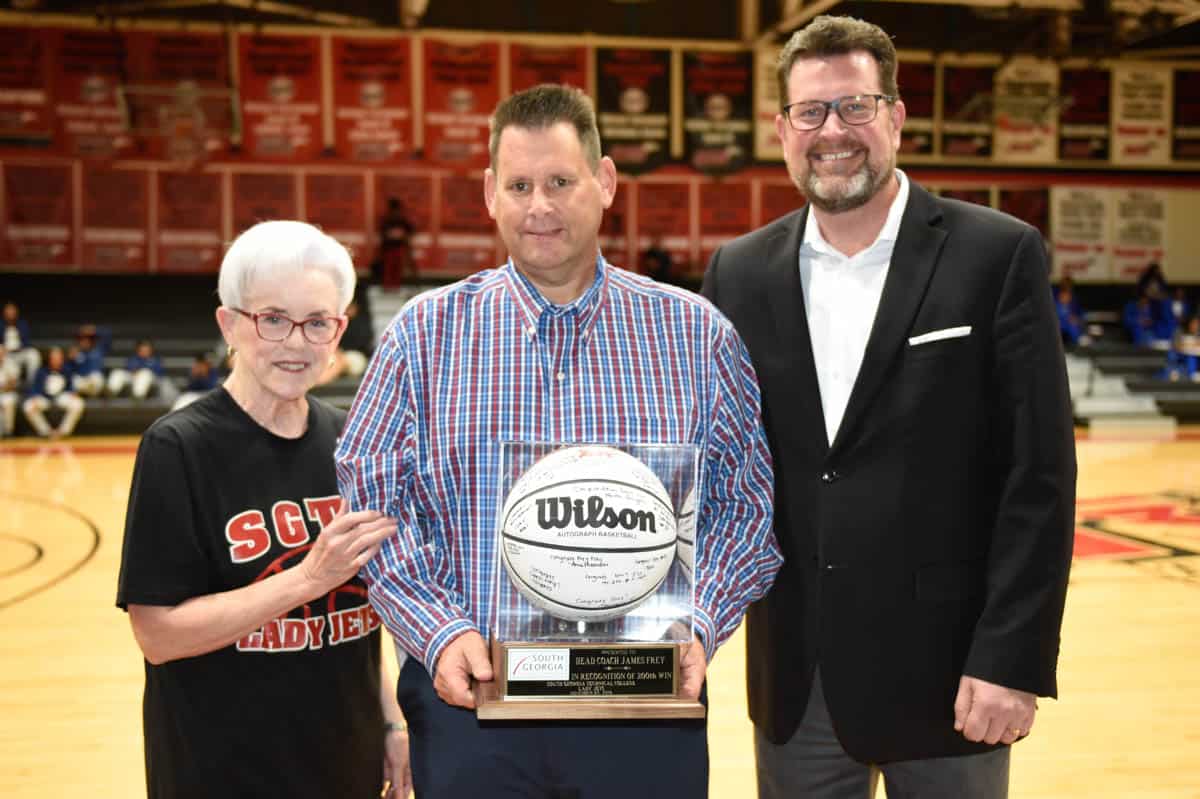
x=533 y=304
x=888 y=233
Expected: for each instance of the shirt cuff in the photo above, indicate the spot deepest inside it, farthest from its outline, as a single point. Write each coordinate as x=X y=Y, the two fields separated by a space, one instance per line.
x=706 y=631
x=440 y=639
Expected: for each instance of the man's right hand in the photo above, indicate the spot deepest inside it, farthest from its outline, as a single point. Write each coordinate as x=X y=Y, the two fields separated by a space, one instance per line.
x=463 y=658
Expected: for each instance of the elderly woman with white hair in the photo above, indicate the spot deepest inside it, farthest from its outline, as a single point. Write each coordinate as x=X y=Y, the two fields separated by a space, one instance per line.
x=240 y=562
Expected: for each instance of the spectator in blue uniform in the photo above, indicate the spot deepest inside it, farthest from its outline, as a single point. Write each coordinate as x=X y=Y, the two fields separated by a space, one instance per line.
x=1143 y=323
x=87 y=360
x=18 y=342
x=1183 y=359
x=1175 y=311
x=52 y=387
x=1071 y=321
x=143 y=372
x=202 y=379
x=10 y=387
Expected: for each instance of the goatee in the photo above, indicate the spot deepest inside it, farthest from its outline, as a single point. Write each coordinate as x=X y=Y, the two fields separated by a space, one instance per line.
x=836 y=195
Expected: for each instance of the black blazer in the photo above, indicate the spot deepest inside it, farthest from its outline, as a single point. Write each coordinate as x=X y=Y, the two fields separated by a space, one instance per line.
x=933 y=537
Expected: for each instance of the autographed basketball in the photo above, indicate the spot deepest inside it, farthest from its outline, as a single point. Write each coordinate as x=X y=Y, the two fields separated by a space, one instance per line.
x=588 y=533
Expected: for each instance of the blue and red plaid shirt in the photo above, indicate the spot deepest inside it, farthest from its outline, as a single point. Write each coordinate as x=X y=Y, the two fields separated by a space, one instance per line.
x=489 y=359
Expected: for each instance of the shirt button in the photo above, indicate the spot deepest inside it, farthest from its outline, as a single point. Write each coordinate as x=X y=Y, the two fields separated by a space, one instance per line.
x=830 y=476
x=531 y=332
x=561 y=377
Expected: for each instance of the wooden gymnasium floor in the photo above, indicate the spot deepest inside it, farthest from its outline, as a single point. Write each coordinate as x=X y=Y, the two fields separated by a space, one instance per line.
x=1126 y=725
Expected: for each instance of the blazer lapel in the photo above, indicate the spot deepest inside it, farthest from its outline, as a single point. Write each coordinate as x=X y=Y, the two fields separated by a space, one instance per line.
x=790 y=323
x=918 y=246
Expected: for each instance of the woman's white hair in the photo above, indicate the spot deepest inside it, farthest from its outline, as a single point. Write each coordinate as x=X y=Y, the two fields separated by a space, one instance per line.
x=278 y=250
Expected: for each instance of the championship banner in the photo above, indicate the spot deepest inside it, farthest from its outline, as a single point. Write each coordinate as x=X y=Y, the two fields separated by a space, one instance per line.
x=25 y=114
x=776 y=199
x=664 y=219
x=415 y=192
x=633 y=88
x=372 y=97
x=88 y=67
x=461 y=90
x=1139 y=231
x=969 y=195
x=766 y=103
x=1186 y=143
x=115 y=220
x=466 y=239
x=336 y=203
x=1083 y=123
x=1141 y=120
x=38 y=226
x=1079 y=218
x=614 y=231
x=262 y=196
x=279 y=81
x=1025 y=112
x=967 y=110
x=178 y=97
x=1030 y=205
x=718 y=122
x=918 y=90
x=189 y=222
x=531 y=64
x=724 y=215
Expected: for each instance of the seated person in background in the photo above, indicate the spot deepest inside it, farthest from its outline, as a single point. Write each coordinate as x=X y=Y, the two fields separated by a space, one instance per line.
x=1183 y=359
x=1152 y=282
x=87 y=360
x=142 y=373
x=202 y=379
x=1071 y=322
x=52 y=386
x=358 y=342
x=1176 y=311
x=17 y=341
x=10 y=389
x=395 y=245
x=1143 y=323
x=656 y=263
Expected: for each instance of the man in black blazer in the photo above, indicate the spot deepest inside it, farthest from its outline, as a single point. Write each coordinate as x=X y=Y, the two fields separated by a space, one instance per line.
x=916 y=403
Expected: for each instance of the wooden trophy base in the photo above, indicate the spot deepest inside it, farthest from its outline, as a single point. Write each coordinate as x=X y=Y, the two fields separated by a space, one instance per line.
x=575 y=694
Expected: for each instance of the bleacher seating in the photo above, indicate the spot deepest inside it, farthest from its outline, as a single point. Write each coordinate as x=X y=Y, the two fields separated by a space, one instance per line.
x=1109 y=378
x=175 y=313
x=1114 y=381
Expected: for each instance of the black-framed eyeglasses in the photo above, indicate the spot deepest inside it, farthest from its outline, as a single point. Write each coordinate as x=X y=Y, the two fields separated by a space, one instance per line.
x=854 y=109
x=272 y=326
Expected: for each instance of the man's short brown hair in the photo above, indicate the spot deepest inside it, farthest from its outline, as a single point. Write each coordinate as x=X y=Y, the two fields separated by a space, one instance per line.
x=543 y=107
x=828 y=35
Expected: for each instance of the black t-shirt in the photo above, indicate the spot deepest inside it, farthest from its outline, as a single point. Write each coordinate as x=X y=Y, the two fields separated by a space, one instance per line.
x=292 y=710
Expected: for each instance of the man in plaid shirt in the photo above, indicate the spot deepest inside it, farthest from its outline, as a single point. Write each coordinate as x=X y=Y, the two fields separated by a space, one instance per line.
x=555 y=345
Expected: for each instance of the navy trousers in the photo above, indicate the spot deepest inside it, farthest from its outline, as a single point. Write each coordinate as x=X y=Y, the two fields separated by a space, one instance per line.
x=456 y=756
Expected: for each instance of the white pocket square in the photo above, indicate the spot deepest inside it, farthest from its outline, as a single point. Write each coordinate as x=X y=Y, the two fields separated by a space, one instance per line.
x=938 y=335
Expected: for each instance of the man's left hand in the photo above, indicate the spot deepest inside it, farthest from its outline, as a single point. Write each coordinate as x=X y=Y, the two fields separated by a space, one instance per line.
x=984 y=711
x=692 y=666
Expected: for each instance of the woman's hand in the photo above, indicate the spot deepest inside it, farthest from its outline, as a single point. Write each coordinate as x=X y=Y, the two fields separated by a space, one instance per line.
x=345 y=545
x=397 y=770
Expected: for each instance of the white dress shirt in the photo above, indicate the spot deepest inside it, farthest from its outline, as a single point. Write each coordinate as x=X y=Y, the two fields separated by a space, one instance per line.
x=841 y=297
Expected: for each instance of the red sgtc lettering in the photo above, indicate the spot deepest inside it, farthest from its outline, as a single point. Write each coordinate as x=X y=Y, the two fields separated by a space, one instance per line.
x=247 y=536
x=322 y=509
x=351 y=624
x=290 y=528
